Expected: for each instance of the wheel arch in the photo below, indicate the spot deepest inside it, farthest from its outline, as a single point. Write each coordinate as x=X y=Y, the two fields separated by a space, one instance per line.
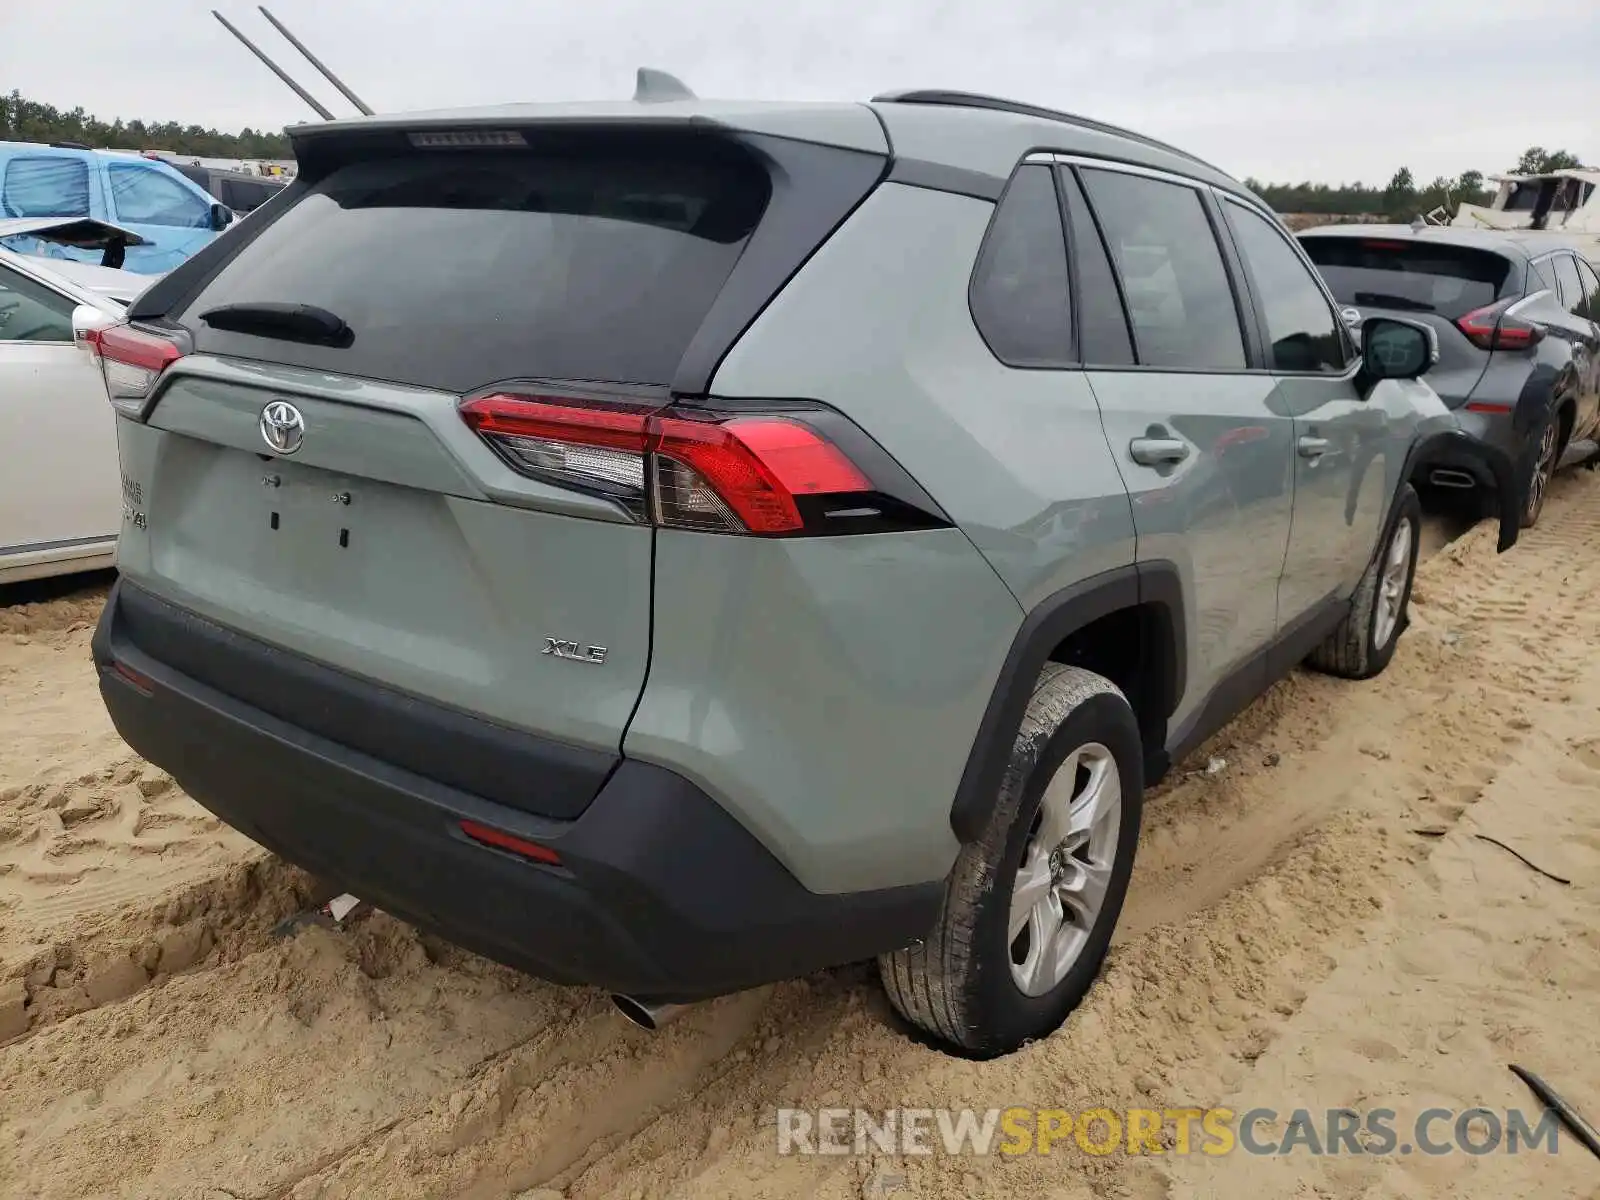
x=1453 y=447
x=1127 y=623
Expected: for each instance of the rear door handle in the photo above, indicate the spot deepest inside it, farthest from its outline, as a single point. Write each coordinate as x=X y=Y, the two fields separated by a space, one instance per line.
x=1313 y=447
x=1158 y=451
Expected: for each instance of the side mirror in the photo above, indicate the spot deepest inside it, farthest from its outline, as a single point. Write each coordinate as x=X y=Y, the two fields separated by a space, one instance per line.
x=88 y=320
x=221 y=217
x=1392 y=349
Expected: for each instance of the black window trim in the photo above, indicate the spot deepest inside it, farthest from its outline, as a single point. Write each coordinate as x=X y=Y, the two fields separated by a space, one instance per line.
x=1591 y=300
x=1058 y=169
x=1550 y=257
x=1352 y=353
x=1243 y=304
x=1070 y=360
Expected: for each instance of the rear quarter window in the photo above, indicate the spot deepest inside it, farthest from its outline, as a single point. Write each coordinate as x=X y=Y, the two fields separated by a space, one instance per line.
x=458 y=270
x=45 y=186
x=1412 y=276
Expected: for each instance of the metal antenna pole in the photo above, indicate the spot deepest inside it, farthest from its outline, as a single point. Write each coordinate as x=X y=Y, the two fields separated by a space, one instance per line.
x=275 y=68
x=314 y=60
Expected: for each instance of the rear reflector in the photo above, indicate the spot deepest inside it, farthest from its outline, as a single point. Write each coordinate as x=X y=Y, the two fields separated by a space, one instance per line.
x=675 y=468
x=131 y=361
x=1484 y=406
x=1493 y=328
x=142 y=683
x=501 y=840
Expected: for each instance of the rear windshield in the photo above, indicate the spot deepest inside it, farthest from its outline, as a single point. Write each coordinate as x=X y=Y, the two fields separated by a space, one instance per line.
x=1411 y=276
x=456 y=270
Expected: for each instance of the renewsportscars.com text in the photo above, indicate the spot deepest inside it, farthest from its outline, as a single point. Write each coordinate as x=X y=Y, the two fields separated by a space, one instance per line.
x=1182 y=1131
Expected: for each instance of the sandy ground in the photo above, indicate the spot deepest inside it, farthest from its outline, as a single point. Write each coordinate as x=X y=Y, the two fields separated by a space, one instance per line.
x=1292 y=940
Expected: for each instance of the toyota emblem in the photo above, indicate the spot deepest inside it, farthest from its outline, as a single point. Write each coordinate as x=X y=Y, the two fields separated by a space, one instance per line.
x=282 y=426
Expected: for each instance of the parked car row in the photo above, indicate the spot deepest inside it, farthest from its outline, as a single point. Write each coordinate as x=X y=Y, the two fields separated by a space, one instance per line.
x=173 y=216
x=781 y=534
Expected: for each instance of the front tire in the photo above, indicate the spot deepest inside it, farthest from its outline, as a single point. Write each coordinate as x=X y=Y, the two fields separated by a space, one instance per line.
x=1032 y=903
x=1365 y=640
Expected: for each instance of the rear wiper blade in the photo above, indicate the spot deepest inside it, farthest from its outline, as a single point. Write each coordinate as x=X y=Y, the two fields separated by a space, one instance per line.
x=288 y=322
x=1384 y=300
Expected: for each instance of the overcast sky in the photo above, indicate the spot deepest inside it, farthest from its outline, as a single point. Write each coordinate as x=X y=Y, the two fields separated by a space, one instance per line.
x=1283 y=90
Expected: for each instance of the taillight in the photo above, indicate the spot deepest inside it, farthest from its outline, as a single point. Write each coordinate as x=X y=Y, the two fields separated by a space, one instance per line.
x=773 y=474
x=131 y=361
x=1494 y=328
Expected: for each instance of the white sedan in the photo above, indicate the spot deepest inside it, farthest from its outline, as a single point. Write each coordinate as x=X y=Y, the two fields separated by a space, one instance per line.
x=60 y=489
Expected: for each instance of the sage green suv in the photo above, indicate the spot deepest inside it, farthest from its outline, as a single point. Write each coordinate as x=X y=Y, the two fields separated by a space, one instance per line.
x=678 y=545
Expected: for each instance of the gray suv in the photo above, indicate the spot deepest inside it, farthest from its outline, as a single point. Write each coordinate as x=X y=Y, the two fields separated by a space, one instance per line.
x=676 y=546
x=1517 y=317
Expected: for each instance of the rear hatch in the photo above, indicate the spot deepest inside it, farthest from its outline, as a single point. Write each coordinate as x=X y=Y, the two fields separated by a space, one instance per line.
x=307 y=475
x=1420 y=280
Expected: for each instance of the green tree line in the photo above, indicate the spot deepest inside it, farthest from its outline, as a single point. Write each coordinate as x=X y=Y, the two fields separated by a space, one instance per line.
x=1401 y=199
x=24 y=120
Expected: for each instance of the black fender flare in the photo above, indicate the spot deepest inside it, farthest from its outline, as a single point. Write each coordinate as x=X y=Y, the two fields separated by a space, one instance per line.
x=1153 y=587
x=1457 y=447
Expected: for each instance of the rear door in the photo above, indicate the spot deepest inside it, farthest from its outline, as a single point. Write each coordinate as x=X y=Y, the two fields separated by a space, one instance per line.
x=1589 y=309
x=58 y=485
x=326 y=494
x=1206 y=453
x=156 y=204
x=1575 y=326
x=1342 y=439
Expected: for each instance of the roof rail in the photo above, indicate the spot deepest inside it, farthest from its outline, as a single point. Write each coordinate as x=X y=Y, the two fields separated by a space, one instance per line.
x=998 y=104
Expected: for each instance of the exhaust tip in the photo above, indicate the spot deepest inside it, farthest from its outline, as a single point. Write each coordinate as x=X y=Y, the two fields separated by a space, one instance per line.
x=645 y=1014
x=1446 y=477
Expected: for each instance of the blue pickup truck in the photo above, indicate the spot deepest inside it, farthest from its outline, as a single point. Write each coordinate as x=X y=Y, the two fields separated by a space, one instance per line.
x=174 y=216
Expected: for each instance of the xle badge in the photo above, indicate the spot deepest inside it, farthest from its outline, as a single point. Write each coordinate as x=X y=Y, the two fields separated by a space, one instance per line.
x=577 y=652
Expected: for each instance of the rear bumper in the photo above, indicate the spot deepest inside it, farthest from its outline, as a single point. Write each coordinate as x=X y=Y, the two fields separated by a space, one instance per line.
x=660 y=893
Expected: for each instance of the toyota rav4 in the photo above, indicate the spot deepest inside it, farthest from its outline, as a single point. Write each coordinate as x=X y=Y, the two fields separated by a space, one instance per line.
x=675 y=546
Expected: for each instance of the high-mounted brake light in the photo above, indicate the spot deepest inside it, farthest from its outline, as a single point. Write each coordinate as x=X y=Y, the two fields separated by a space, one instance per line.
x=131 y=361
x=763 y=474
x=466 y=139
x=1494 y=328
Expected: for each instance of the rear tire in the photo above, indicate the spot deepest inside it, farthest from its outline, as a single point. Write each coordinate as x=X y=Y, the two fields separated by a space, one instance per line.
x=1365 y=640
x=1026 y=925
x=1547 y=450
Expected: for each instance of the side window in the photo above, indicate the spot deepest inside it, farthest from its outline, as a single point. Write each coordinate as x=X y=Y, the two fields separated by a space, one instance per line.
x=1162 y=244
x=145 y=196
x=1019 y=295
x=45 y=186
x=1571 y=287
x=1102 y=324
x=1591 y=291
x=1546 y=270
x=31 y=312
x=1302 y=329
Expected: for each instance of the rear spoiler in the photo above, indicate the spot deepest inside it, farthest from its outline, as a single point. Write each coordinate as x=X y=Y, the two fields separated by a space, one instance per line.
x=82 y=233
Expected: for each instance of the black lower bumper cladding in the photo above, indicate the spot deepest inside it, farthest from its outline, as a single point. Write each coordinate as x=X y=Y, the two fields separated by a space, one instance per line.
x=660 y=893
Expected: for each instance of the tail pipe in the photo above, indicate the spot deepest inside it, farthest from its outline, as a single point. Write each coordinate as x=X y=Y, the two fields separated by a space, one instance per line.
x=647 y=1015
x=1451 y=478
